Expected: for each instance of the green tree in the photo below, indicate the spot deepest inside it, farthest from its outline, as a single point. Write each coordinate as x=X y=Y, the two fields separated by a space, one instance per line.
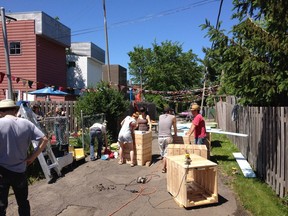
x=252 y=63
x=103 y=99
x=165 y=67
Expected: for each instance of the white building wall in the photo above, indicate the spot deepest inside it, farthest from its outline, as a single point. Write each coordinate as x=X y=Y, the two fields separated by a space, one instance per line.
x=86 y=73
x=82 y=63
x=89 y=60
x=77 y=76
x=94 y=72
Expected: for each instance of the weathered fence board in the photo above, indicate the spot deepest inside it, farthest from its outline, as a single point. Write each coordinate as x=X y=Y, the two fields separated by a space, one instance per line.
x=48 y=108
x=266 y=146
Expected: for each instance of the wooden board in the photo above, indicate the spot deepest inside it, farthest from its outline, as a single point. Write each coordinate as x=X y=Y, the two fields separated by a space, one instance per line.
x=183 y=139
x=219 y=131
x=244 y=165
x=178 y=149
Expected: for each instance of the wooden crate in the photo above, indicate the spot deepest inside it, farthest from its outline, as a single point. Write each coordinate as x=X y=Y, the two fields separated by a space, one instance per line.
x=179 y=149
x=142 y=148
x=199 y=186
x=143 y=137
x=183 y=139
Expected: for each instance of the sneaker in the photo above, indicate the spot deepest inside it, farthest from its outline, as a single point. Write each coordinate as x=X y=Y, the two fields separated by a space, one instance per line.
x=92 y=159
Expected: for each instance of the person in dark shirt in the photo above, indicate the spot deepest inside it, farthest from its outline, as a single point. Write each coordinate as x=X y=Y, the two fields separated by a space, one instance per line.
x=144 y=121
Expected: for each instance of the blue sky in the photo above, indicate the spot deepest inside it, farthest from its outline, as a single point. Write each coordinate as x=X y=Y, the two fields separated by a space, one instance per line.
x=132 y=23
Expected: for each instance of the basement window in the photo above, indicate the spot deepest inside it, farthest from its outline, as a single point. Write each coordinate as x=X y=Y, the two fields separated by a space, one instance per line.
x=15 y=48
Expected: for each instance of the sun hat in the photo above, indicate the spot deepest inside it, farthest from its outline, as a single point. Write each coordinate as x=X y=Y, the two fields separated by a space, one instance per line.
x=195 y=107
x=7 y=103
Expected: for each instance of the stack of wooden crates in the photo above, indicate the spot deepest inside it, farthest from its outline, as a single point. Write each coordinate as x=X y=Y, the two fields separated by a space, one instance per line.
x=199 y=187
x=142 y=149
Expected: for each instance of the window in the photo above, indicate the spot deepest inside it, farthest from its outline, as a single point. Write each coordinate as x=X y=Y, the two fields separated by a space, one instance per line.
x=71 y=64
x=15 y=48
x=16 y=94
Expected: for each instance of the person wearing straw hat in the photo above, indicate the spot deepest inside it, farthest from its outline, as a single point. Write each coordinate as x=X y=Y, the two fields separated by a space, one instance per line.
x=197 y=126
x=16 y=135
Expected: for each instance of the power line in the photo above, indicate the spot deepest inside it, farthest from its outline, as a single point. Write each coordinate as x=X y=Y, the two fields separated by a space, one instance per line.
x=141 y=19
x=147 y=17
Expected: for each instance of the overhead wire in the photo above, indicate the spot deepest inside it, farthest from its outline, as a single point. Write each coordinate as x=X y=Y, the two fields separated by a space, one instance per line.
x=141 y=19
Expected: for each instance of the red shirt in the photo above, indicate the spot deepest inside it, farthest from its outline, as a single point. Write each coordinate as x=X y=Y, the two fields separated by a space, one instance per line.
x=200 y=129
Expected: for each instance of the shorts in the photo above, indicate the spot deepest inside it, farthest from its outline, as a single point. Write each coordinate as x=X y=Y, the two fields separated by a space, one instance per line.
x=125 y=138
x=163 y=144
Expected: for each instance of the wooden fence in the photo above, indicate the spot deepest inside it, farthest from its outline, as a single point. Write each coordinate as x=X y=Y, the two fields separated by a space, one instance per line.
x=68 y=107
x=266 y=147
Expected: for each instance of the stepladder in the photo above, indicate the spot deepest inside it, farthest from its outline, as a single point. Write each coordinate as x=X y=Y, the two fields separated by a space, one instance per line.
x=47 y=159
x=48 y=162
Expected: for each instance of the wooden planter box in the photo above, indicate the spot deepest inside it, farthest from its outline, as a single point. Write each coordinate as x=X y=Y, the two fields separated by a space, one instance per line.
x=142 y=149
x=199 y=186
x=180 y=149
x=183 y=139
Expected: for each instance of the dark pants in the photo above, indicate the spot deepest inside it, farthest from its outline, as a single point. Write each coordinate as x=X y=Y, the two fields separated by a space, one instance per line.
x=19 y=184
x=96 y=133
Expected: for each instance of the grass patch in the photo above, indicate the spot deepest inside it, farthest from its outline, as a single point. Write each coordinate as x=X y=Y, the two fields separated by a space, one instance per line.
x=255 y=195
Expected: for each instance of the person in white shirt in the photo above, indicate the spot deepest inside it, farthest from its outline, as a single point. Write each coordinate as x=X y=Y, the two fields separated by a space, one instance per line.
x=98 y=131
x=16 y=135
x=125 y=137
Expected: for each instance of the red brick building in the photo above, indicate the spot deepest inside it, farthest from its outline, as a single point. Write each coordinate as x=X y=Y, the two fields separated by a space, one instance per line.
x=37 y=50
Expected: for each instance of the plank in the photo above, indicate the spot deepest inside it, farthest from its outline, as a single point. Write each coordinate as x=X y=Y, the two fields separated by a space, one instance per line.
x=219 y=131
x=244 y=165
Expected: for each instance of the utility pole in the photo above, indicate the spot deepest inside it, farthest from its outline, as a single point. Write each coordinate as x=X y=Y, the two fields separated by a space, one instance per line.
x=203 y=91
x=140 y=71
x=206 y=71
x=106 y=38
x=7 y=61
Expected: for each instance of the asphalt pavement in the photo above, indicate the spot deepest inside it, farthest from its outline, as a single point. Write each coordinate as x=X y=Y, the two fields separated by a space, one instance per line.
x=102 y=187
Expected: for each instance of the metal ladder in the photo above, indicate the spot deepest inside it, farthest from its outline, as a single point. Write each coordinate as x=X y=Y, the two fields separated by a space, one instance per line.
x=27 y=113
x=43 y=162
